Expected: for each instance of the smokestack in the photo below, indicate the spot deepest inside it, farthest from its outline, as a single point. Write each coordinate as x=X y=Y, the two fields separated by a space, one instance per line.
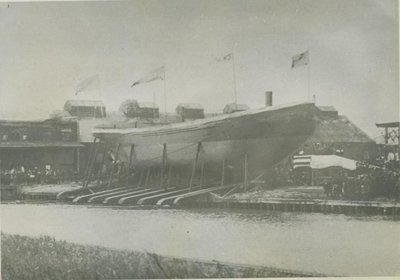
x=268 y=98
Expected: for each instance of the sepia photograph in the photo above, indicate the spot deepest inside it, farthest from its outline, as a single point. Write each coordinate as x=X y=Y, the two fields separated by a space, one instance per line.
x=187 y=139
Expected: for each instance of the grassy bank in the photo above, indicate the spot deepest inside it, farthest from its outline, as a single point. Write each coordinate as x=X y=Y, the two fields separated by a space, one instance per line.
x=45 y=258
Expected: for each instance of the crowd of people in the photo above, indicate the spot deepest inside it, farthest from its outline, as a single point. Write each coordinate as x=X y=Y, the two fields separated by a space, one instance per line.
x=20 y=175
x=377 y=178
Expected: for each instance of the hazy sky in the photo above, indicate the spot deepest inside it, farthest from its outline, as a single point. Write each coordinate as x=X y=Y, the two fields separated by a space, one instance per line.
x=47 y=48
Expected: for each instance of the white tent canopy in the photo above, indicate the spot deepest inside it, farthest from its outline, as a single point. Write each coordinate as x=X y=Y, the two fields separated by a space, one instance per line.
x=323 y=161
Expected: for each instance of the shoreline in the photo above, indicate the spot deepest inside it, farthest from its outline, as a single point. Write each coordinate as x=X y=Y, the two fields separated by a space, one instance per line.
x=47 y=258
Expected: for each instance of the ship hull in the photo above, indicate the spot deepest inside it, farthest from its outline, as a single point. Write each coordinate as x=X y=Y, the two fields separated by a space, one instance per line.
x=265 y=137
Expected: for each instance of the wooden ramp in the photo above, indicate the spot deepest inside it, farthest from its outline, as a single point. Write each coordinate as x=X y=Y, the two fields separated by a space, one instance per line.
x=133 y=199
x=175 y=199
x=115 y=198
x=151 y=200
x=85 y=198
x=101 y=197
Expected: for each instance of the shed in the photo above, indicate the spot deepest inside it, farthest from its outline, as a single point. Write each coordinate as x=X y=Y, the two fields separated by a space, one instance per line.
x=190 y=111
x=85 y=108
x=234 y=107
x=148 y=110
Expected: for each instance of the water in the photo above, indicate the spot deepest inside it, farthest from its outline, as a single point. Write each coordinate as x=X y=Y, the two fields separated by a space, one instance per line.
x=331 y=244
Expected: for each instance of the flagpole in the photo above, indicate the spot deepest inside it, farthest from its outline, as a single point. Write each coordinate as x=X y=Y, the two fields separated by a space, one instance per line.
x=154 y=104
x=165 y=95
x=308 y=74
x=101 y=99
x=234 y=79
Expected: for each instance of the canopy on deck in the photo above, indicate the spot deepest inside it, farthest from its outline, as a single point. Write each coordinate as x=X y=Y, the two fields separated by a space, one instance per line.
x=323 y=161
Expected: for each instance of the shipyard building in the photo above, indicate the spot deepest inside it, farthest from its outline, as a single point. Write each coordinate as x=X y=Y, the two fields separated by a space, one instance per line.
x=36 y=144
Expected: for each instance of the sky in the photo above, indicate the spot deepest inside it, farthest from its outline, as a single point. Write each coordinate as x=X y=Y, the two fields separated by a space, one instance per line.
x=48 y=48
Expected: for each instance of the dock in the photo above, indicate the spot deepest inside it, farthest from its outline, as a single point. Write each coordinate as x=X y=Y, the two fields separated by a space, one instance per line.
x=200 y=197
x=314 y=206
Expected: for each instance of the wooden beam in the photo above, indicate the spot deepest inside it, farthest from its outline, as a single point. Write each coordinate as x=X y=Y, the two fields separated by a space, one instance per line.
x=163 y=162
x=88 y=163
x=78 y=161
x=89 y=177
x=147 y=177
x=112 y=166
x=223 y=173
x=194 y=166
x=202 y=174
x=169 y=177
x=102 y=163
x=92 y=158
x=128 y=171
x=245 y=173
x=141 y=177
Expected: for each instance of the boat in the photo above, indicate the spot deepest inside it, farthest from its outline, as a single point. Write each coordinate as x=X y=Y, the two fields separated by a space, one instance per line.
x=259 y=138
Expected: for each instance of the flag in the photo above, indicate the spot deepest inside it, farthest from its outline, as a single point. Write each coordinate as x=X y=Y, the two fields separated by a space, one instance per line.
x=300 y=59
x=301 y=161
x=91 y=83
x=157 y=74
x=323 y=161
x=227 y=57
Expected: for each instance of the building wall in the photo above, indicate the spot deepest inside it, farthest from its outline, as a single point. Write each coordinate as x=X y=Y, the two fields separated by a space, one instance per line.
x=88 y=112
x=37 y=144
x=188 y=113
x=59 y=158
x=38 y=132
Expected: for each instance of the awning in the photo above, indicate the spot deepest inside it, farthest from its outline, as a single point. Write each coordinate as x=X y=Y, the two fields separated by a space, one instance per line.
x=388 y=124
x=323 y=161
x=13 y=145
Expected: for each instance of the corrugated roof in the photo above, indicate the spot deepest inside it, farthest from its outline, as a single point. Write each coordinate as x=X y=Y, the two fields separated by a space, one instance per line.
x=339 y=129
x=84 y=103
x=190 y=106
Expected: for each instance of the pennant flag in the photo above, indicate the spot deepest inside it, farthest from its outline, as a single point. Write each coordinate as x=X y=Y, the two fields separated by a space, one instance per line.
x=300 y=59
x=157 y=74
x=226 y=57
x=91 y=83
